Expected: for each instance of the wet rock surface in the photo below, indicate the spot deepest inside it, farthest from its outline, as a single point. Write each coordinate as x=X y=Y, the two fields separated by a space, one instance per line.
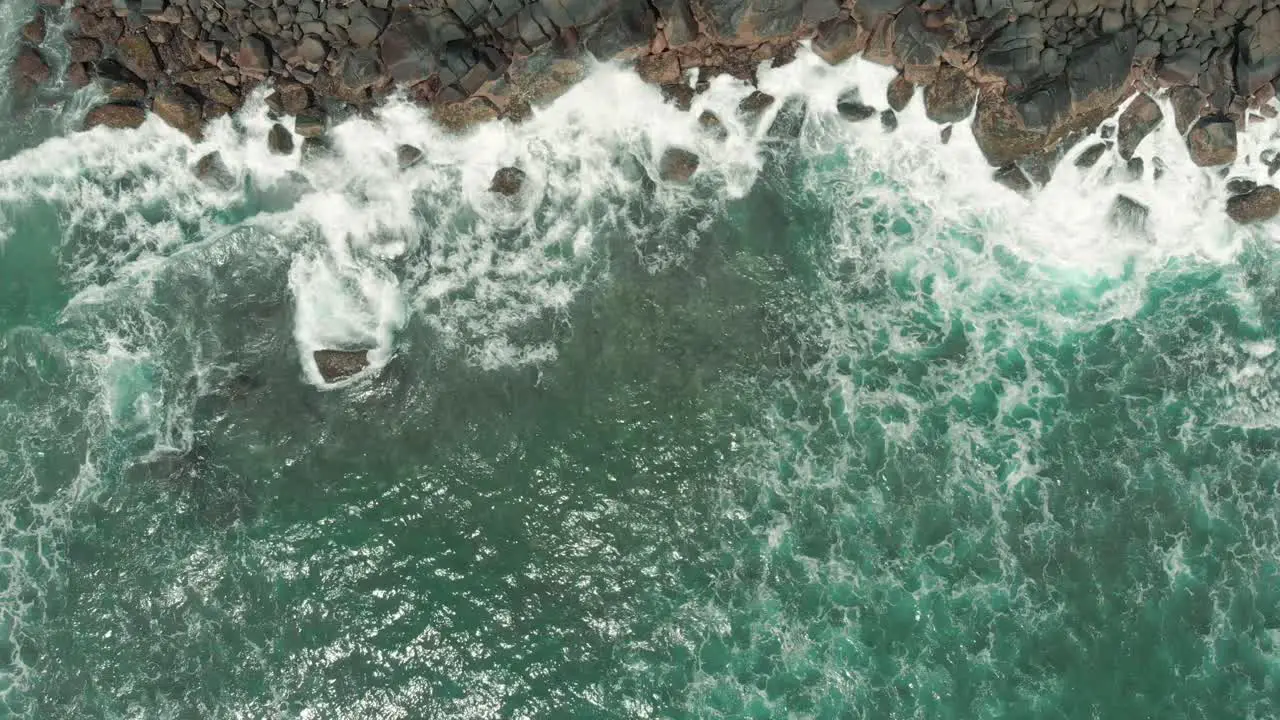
x=1258 y=204
x=1041 y=72
x=337 y=365
x=677 y=165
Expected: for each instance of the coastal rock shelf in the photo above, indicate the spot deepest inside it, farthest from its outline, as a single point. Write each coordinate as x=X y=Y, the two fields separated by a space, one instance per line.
x=1037 y=76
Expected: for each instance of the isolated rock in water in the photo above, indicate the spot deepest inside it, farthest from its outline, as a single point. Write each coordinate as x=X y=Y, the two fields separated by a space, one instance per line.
x=712 y=125
x=213 y=171
x=176 y=107
x=507 y=181
x=1128 y=214
x=335 y=365
x=408 y=156
x=1260 y=203
x=1212 y=141
x=677 y=165
x=888 y=120
x=1091 y=155
x=29 y=66
x=115 y=116
x=950 y=97
x=1012 y=177
x=280 y=140
x=851 y=107
x=755 y=102
x=1141 y=117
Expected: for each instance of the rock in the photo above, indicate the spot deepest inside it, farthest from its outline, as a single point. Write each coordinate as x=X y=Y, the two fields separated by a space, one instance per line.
x=838 y=40
x=407 y=156
x=138 y=55
x=851 y=107
x=712 y=125
x=337 y=365
x=1136 y=122
x=78 y=74
x=309 y=123
x=1187 y=103
x=1013 y=178
x=1261 y=203
x=29 y=66
x=311 y=50
x=211 y=170
x=950 y=97
x=659 y=69
x=1258 y=53
x=221 y=93
x=900 y=92
x=363 y=31
x=755 y=102
x=1212 y=141
x=280 y=140
x=118 y=83
x=83 y=50
x=680 y=94
x=115 y=115
x=289 y=98
x=507 y=181
x=788 y=124
x=34 y=31
x=679 y=25
x=253 y=57
x=945 y=135
x=1097 y=71
x=677 y=165
x=360 y=69
x=176 y=107
x=1240 y=186
x=1128 y=215
x=1091 y=155
x=889 y=121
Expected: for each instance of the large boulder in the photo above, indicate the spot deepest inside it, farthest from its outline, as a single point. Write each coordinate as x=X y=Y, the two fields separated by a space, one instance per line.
x=1136 y=122
x=280 y=140
x=1187 y=104
x=950 y=97
x=507 y=181
x=1097 y=71
x=838 y=40
x=1212 y=141
x=253 y=58
x=138 y=55
x=30 y=67
x=337 y=365
x=1128 y=215
x=1258 y=53
x=211 y=170
x=1260 y=203
x=176 y=107
x=114 y=115
x=677 y=165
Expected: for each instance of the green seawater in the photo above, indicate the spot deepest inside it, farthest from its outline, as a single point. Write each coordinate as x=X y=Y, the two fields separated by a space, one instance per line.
x=825 y=450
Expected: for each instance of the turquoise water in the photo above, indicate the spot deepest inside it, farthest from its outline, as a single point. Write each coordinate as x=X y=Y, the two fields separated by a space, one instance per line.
x=830 y=433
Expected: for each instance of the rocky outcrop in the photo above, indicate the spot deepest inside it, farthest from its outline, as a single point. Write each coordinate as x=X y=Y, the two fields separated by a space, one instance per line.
x=337 y=365
x=507 y=181
x=1257 y=204
x=677 y=165
x=1034 y=74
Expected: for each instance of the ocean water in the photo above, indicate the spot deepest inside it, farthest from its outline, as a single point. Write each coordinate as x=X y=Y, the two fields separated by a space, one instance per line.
x=841 y=429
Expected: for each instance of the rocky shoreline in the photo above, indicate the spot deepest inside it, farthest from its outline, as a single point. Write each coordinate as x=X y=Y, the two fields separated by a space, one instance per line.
x=1036 y=76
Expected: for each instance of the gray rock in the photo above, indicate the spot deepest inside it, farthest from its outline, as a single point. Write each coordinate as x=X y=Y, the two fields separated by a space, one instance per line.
x=1187 y=103
x=363 y=32
x=712 y=125
x=1240 y=186
x=1128 y=215
x=1212 y=141
x=680 y=27
x=756 y=102
x=677 y=165
x=360 y=69
x=280 y=140
x=407 y=156
x=1141 y=117
x=1097 y=71
x=1091 y=155
x=309 y=123
x=336 y=365
x=253 y=57
x=851 y=108
x=211 y=170
x=836 y=41
x=1013 y=178
x=899 y=93
x=1258 y=56
x=1261 y=203
x=889 y=120
x=788 y=124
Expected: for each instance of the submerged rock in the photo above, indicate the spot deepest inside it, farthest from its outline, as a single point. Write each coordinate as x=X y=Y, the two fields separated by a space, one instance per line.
x=712 y=125
x=1260 y=203
x=407 y=156
x=213 y=171
x=677 y=165
x=1128 y=214
x=335 y=365
x=755 y=102
x=507 y=181
x=1091 y=155
x=851 y=107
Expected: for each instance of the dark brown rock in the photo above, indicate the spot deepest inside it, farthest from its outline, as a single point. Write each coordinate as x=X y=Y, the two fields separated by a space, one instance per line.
x=280 y=140
x=1091 y=155
x=1138 y=119
x=1013 y=178
x=337 y=365
x=755 y=102
x=1261 y=203
x=950 y=97
x=34 y=31
x=838 y=40
x=680 y=94
x=178 y=108
x=507 y=181
x=253 y=57
x=115 y=116
x=78 y=74
x=712 y=125
x=659 y=69
x=1212 y=141
x=84 y=49
x=900 y=92
x=1187 y=103
x=677 y=165
x=29 y=66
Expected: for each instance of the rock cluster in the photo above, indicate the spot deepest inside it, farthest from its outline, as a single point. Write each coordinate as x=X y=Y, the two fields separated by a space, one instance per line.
x=1036 y=74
